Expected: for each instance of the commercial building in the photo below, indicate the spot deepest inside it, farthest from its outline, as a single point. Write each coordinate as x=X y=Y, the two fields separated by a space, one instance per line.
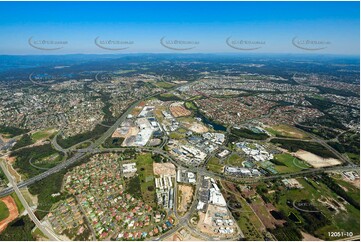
x=185 y=176
x=129 y=168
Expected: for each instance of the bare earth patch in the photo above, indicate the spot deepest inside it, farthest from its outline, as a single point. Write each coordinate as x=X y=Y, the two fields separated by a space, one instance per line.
x=196 y=127
x=164 y=169
x=315 y=160
x=309 y=237
x=130 y=136
x=13 y=212
x=182 y=235
x=178 y=110
x=11 y=160
x=186 y=192
x=12 y=171
x=355 y=182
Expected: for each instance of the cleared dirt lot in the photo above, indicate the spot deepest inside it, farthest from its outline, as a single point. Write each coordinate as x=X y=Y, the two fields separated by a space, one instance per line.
x=178 y=110
x=309 y=237
x=182 y=235
x=315 y=160
x=196 y=127
x=130 y=136
x=164 y=169
x=13 y=212
x=185 y=197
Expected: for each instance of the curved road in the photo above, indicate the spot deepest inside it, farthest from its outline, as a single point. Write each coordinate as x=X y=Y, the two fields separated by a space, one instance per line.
x=43 y=229
x=201 y=171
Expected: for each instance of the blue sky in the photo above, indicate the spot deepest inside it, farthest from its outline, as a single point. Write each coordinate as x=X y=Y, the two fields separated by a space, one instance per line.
x=208 y=24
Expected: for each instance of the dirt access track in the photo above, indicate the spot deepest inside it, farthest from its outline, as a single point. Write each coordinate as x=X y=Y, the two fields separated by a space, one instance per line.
x=13 y=212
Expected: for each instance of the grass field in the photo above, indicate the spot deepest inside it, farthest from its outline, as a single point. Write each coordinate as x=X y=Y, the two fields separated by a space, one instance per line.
x=286 y=163
x=83 y=145
x=353 y=191
x=168 y=97
x=234 y=160
x=214 y=165
x=42 y=134
x=4 y=211
x=146 y=176
x=249 y=223
x=348 y=220
x=18 y=203
x=186 y=119
x=287 y=131
x=355 y=158
x=28 y=197
x=36 y=233
x=165 y=85
x=190 y=105
x=176 y=135
x=49 y=161
x=246 y=219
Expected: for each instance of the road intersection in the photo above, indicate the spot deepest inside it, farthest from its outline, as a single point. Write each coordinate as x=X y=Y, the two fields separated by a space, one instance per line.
x=95 y=147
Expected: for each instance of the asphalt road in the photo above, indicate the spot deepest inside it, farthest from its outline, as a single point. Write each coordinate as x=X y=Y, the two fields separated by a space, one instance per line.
x=201 y=171
x=80 y=153
x=32 y=216
x=41 y=176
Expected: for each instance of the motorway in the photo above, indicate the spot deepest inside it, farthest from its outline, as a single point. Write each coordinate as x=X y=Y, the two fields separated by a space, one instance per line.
x=43 y=229
x=77 y=156
x=91 y=149
x=201 y=171
x=205 y=172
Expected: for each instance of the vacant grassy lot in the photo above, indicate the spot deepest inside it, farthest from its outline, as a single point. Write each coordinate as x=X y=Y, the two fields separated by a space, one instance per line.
x=214 y=165
x=190 y=105
x=146 y=176
x=165 y=85
x=42 y=134
x=18 y=203
x=287 y=131
x=353 y=191
x=347 y=218
x=49 y=161
x=234 y=160
x=4 y=211
x=355 y=158
x=246 y=219
x=286 y=163
x=249 y=223
x=37 y=233
x=177 y=135
x=168 y=97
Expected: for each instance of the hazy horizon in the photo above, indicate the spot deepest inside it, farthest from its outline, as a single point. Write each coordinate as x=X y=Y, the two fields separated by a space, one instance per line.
x=53 y=28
